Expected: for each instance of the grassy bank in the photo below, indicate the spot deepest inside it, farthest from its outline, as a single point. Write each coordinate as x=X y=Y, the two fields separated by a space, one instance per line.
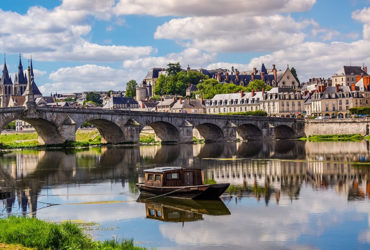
x=34 y=233
x=328 y=138
x=83 y=138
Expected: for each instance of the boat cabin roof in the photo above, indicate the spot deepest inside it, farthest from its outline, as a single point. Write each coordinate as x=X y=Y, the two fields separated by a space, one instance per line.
x=162 y=169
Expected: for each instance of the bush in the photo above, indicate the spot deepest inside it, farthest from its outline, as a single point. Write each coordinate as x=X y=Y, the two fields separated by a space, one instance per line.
x=360 y=110
x=251 y=113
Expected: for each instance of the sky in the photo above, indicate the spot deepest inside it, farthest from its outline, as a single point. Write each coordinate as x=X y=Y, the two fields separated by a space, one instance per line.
x=83 y=45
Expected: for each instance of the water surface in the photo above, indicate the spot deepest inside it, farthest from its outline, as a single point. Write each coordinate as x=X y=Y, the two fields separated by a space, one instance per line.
x=286 y=195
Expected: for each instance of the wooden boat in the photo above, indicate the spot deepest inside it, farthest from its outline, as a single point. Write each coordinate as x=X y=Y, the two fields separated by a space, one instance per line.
x=179 y=182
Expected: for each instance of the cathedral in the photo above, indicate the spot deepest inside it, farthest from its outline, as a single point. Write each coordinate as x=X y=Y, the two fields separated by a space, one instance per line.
x=10 y=90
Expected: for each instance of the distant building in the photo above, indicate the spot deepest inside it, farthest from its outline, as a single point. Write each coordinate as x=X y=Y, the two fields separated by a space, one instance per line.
x=191 y=106
x=127 y=103
x=144 y=91
x=347 y=75
x=152 y=76
x=166 y=103
x=191 y=89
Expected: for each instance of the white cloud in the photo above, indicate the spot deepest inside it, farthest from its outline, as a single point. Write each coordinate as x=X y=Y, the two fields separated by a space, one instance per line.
x=89 y=77
x=193 y=57
x=210 y=7
x=98 y=8
x=235 y=33
x=58 y=34
x=364 y=17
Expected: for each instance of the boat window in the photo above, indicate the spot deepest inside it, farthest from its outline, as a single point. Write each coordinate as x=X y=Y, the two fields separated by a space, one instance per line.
x=152 y=212
x=150 y=177
x=173 y=176
x=157 y=177
x=159 y=214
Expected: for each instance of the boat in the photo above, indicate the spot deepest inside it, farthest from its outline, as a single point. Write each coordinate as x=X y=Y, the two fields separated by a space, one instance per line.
x=179 y=182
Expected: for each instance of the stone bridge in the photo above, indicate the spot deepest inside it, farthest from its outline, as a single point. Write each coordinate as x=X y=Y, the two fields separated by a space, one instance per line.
x=58 y=125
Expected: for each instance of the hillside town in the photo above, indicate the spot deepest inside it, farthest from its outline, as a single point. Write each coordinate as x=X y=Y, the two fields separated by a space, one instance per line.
x=278 y=93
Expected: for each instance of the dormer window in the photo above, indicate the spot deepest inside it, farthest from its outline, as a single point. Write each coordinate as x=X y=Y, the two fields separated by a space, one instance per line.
x=236 y=101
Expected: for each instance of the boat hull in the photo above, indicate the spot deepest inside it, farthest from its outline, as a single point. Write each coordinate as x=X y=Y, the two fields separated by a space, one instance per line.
x=201 y=192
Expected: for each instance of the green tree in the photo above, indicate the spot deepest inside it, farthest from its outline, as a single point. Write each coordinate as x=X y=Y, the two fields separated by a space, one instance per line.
x=131 y=88
x=94 y=97
x=109 y=93
x=294 y=73
x=173 y=68
x=258 y=85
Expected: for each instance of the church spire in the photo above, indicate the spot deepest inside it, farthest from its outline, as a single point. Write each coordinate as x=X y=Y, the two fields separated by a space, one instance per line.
x=5 y=78
x=20 y=75
x=32 y=68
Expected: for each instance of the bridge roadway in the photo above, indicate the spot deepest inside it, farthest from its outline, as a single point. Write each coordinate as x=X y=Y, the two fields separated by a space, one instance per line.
x=58 y=125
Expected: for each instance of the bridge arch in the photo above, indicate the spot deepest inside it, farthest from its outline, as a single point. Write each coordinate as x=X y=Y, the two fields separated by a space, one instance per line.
x=47 y=131
x=109 y=131
x=249 y=132
x=284 y=132
x=210 y=132
x=165 y=131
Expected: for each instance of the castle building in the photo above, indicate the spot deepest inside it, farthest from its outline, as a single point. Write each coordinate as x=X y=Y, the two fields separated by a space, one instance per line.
x=9 y=89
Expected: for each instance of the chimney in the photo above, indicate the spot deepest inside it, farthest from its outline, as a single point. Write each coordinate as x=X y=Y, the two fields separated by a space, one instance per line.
x=263 y=76
x=252 y=76
x=353 y=87
x=142 y=105
x=274 y=72
x=263 y=91
x=237 y=75
x=180 y=100
x=241 y=94
x=365 y=69
x=252 y=93
x=337 y=86
x=219 y=76
x=227 y=77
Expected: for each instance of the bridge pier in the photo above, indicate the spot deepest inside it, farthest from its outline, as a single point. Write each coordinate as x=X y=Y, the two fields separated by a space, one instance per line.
x=131 y=134
x=230 y=132
x=186 y=133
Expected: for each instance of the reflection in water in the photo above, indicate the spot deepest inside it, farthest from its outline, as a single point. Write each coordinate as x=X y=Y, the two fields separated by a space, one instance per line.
x=281 y=174
x=181 y=210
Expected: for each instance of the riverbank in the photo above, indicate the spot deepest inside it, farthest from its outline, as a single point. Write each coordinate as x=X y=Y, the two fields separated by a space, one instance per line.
x=84 y=138
x=334 y=138
x=37 y=234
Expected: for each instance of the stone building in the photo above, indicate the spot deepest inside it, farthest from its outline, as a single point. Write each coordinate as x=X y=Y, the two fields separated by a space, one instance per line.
x=144 y=91
x=272 y=77
x=347 y=75
x=187 y=105
x=123 y=102
x=335 y=102
x=166 y=104
x=276 y=102
x=152 y=76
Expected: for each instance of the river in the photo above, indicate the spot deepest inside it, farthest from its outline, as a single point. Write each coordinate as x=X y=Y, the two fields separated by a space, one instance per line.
x=287 y=194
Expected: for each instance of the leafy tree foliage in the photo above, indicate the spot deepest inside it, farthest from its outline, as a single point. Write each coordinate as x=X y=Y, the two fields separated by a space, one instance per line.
x=94 y=97
x=294 y=72
x=131 y=88
x=211 y=87
x=173 y=68
x=177 y=84
x=258 y=85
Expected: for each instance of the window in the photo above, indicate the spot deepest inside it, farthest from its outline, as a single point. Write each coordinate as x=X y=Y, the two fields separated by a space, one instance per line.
x=172 y=176
x=347 y=102
x=150 y=177
x=157 y=177
x=152 y=212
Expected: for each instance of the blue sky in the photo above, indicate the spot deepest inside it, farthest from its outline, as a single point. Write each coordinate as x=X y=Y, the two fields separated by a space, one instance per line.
x=81 y=45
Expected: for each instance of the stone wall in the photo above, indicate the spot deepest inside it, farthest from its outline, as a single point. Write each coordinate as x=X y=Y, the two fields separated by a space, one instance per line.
x=337 y=126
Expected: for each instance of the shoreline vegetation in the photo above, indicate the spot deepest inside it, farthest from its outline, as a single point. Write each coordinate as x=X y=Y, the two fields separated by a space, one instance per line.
x=32 y=233
x=86 y=138
x=335 y=138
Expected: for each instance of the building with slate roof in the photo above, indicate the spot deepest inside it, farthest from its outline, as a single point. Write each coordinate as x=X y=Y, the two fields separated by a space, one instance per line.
x=347 y=75
x=8 y=88
x=122 y=102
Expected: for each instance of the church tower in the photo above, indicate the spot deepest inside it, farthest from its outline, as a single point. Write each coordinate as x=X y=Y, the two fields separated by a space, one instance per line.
x=6 y=86
x=20 y=81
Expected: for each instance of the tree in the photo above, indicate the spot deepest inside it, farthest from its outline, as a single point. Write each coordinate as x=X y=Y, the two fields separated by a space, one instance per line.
x=173 y=68
x=258 y=85
x=131 y=88
x=294 y=73
x=94 y=97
